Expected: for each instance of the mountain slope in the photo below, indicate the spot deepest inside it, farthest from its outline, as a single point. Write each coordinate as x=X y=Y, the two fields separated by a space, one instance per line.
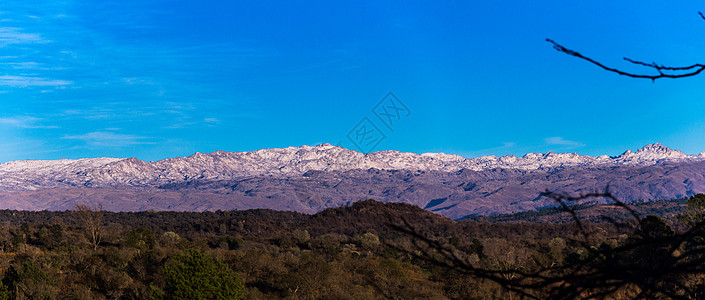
x=309 y=179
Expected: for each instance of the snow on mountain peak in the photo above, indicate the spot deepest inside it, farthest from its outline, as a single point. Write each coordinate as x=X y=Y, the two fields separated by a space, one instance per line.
x=294 y=161
x=657 y=148
x=653 y=153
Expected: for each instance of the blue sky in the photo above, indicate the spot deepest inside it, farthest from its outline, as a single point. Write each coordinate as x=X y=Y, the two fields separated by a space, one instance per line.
x=158 y=79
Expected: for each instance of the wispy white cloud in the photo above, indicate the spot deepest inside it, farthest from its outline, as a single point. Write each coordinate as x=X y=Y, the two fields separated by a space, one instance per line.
x=557 y=140
x=24 y=122
x=13 y=148
x=12 y=35
x=30 y=65
x=134 y=81
x=506 y=146
x=211 y=121
x=110 y=111
x=109 y=139
x=24 y=81
x=23 y=65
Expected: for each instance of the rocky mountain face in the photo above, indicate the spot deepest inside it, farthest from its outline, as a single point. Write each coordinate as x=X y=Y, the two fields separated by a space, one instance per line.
x=309 y=179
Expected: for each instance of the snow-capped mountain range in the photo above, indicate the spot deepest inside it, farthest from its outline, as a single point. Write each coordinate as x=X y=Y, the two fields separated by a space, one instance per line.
x=293 y=161
x=311 y=178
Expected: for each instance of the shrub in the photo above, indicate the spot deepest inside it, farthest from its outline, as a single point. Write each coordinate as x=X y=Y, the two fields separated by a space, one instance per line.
x=194 y=275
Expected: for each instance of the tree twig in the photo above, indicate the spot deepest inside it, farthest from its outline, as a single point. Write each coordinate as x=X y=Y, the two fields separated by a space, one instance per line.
x=691 y=70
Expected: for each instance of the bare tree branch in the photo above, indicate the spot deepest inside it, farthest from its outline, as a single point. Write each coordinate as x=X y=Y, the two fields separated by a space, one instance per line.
x=91 y=216
x=657 y=265
x=691 y=70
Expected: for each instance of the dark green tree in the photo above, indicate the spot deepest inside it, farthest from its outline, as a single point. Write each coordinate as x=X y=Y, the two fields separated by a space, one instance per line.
x=141 y=238
x=27 y=281
x=194 y=275
x=653 y=227
x=4 y=294
x=695 y=211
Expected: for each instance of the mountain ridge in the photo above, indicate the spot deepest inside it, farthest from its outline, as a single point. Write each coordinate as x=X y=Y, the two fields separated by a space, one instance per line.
x=312 y=178
x=294 y=161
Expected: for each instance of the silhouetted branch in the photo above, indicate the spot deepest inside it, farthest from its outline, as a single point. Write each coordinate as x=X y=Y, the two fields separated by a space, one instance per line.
x=562 y=198
x=654 y=262
x=691 y=70
x=449 y=260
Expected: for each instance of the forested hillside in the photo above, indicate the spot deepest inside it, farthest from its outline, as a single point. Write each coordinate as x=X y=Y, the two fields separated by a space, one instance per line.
x=364 y=251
